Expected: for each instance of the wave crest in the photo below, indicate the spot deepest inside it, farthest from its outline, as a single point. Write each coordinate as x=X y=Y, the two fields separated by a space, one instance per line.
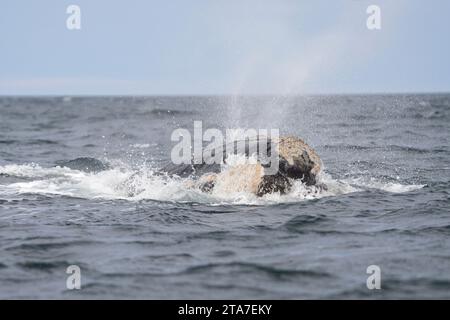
x=122 y=182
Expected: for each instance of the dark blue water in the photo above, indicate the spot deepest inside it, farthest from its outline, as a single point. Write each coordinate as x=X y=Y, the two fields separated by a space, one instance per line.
x=387 y=164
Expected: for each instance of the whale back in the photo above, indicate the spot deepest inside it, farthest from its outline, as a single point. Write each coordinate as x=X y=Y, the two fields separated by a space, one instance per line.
x=208 y=165
x=296 y=159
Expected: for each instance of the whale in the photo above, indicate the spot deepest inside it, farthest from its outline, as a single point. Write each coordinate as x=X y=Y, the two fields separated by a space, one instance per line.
x=296 y=161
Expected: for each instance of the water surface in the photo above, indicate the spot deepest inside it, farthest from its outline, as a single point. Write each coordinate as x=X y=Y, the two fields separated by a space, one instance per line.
x=387 y=164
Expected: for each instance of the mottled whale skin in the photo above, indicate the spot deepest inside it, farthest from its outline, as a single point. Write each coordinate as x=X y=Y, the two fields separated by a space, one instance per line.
x=297 y=161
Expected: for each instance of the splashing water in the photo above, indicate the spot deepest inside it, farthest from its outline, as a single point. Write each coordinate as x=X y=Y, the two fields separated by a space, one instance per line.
x=123 y=182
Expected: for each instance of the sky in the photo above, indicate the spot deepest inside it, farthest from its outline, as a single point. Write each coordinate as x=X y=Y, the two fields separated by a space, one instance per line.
x=238 y=47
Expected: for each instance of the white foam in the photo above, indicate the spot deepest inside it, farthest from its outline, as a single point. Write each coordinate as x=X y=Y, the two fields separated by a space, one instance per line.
x=33 y=170
x=388 y=186
x=121 y=182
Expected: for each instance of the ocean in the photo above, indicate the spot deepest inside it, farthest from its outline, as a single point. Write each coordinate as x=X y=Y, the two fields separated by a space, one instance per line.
x=386 y=164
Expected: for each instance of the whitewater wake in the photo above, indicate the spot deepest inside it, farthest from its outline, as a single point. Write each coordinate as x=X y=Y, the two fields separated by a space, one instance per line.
x=125 y=183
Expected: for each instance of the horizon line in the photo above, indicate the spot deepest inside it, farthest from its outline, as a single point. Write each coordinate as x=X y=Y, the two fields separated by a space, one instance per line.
x=144 y=95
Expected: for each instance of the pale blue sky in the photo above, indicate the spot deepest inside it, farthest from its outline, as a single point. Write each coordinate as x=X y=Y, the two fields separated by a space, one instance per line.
x=223 y=47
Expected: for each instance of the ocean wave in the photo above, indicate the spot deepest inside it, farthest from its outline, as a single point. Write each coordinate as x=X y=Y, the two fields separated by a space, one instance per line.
x=170 y=112
x=255 y=267
x=124 y=183
x=388 y=186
